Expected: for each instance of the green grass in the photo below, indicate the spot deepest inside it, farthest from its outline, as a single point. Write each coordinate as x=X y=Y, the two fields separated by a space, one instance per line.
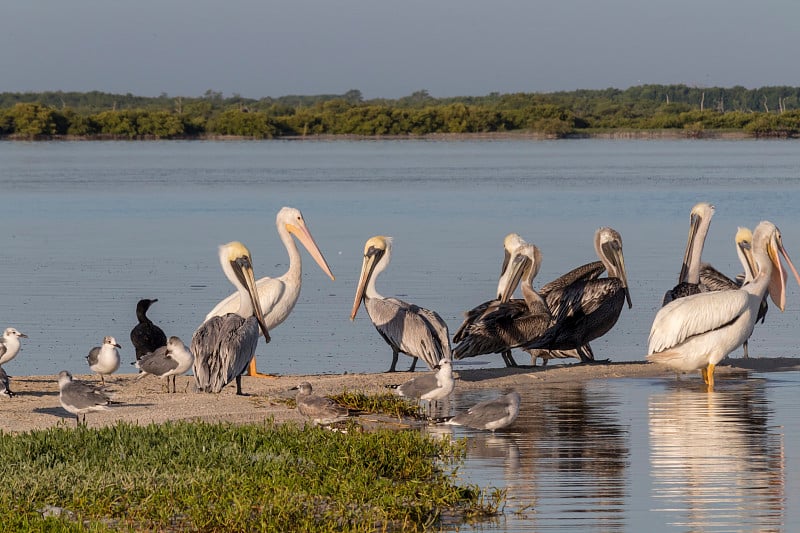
x=220 y=477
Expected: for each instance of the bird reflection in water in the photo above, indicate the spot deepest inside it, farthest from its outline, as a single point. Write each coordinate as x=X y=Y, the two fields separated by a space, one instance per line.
x=715 y=461
x=562 y=461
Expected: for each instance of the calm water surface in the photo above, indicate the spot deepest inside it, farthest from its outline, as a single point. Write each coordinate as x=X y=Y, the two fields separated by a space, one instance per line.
x=89 y=228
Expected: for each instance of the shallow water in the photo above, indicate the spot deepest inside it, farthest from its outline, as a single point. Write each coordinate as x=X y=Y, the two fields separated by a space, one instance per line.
x=89 y=228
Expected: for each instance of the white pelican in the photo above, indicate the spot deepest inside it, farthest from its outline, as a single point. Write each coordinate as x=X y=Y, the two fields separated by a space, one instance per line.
x=170 y=360
x=508 y=323
x=698 y=331
x=493 y=414
x=588 y=308
x=146 y=337
x=407 y=328
x=9 y=344
x=224 y=345
x=320 y=409
x=689 y=277
x=80 y=398
x=279 y=295
x=104 y=359
x=714 y=280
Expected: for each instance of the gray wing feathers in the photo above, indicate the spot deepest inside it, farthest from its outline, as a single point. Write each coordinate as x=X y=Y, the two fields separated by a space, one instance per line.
x=223 y=346
x=714 y=280
x=418 y=386
x=411 y=329
x=82 y=396
x=94 y=353
x=157 y=363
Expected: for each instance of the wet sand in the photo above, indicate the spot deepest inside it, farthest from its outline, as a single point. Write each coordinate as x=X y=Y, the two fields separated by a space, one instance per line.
x=142 y=401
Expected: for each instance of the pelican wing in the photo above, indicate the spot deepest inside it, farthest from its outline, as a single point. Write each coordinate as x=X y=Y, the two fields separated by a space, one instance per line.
x=581 y=298
x=714 y=280
x=225 y=345
x=470 y=317
x=582 y=273
x=694 y=315
x=503 y=326
x=411 y=329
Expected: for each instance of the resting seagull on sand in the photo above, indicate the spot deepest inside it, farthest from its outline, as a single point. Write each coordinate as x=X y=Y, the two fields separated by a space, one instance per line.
x=319 y=409
x=80 y=398
x=104 y=359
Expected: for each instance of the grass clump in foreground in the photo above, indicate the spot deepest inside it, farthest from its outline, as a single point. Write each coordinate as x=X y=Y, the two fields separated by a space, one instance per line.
x=221 y=477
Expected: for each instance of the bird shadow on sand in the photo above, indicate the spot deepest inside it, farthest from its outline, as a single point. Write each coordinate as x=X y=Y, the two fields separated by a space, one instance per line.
x=36 y=394
x=54 y=411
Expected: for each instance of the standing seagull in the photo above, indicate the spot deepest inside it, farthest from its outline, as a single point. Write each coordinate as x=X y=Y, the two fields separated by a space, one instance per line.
x=689 y=277
x=104 y=359
x=698 y=331
x=224 y=345
x=279 y=295
x=492 y=414
x=9 y=345
x=714 y=280
x=80 y=398
x=407 y=328
x=431 y=387
x=320 y=409
x=588 y=309
x=146 y=337
x=507 y=323
x=170 y=360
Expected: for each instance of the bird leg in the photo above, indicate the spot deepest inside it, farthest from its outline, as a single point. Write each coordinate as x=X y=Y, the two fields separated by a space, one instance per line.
x=709 y=376
x=508 y=359
x=251 y=370
x=239 y=386
x=413 y=364
x=394 y=361
x=744 y=347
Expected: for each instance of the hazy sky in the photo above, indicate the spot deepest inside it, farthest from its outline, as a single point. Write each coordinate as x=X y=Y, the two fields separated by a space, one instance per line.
x=391 y=48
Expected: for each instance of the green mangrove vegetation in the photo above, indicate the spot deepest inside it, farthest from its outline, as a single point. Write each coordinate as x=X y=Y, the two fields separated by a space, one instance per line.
x=220 y=477
x=688 y=111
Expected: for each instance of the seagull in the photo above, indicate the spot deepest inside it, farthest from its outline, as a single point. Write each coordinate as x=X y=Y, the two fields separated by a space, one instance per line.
x=4 y=384
x=80 y=398
x=168 y=361
x=146 y=337
x=104 y=359
x=320 y=409
x=432 y=386
x=492 y=414
x=9 y=345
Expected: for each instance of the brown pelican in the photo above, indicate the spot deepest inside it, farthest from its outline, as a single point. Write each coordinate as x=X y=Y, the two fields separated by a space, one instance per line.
x=80 y=398
x=320 y=409
x=224 y=345
x=511 y=243
x=587 y=309
x=9 y=344
x=279 y=295
x=714 y=280
x=407 y=328
x=689 y=277
x=508 y=323
x=698 y=331
x=104 y=359
x=170 y=360
x=146 y=337
x=551 y=292
x=493 y=414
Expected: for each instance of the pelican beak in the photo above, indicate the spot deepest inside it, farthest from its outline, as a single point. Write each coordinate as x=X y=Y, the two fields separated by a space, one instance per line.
x=243 y=268
x=304 y=236
x=747 y=251
x=777 y=282
x=615 y=253
x=507 y=256
x=371 y=258
x=694 y=223
x=515 y=272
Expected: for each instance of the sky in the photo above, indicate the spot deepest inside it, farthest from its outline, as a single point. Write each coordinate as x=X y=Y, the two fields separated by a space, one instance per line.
x=391 y=48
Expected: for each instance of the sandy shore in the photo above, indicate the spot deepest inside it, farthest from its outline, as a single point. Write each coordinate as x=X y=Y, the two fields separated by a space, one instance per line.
x=36 y=405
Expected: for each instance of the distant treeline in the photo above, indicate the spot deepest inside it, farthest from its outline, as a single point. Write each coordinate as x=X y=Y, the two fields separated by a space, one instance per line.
x=768 y=111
